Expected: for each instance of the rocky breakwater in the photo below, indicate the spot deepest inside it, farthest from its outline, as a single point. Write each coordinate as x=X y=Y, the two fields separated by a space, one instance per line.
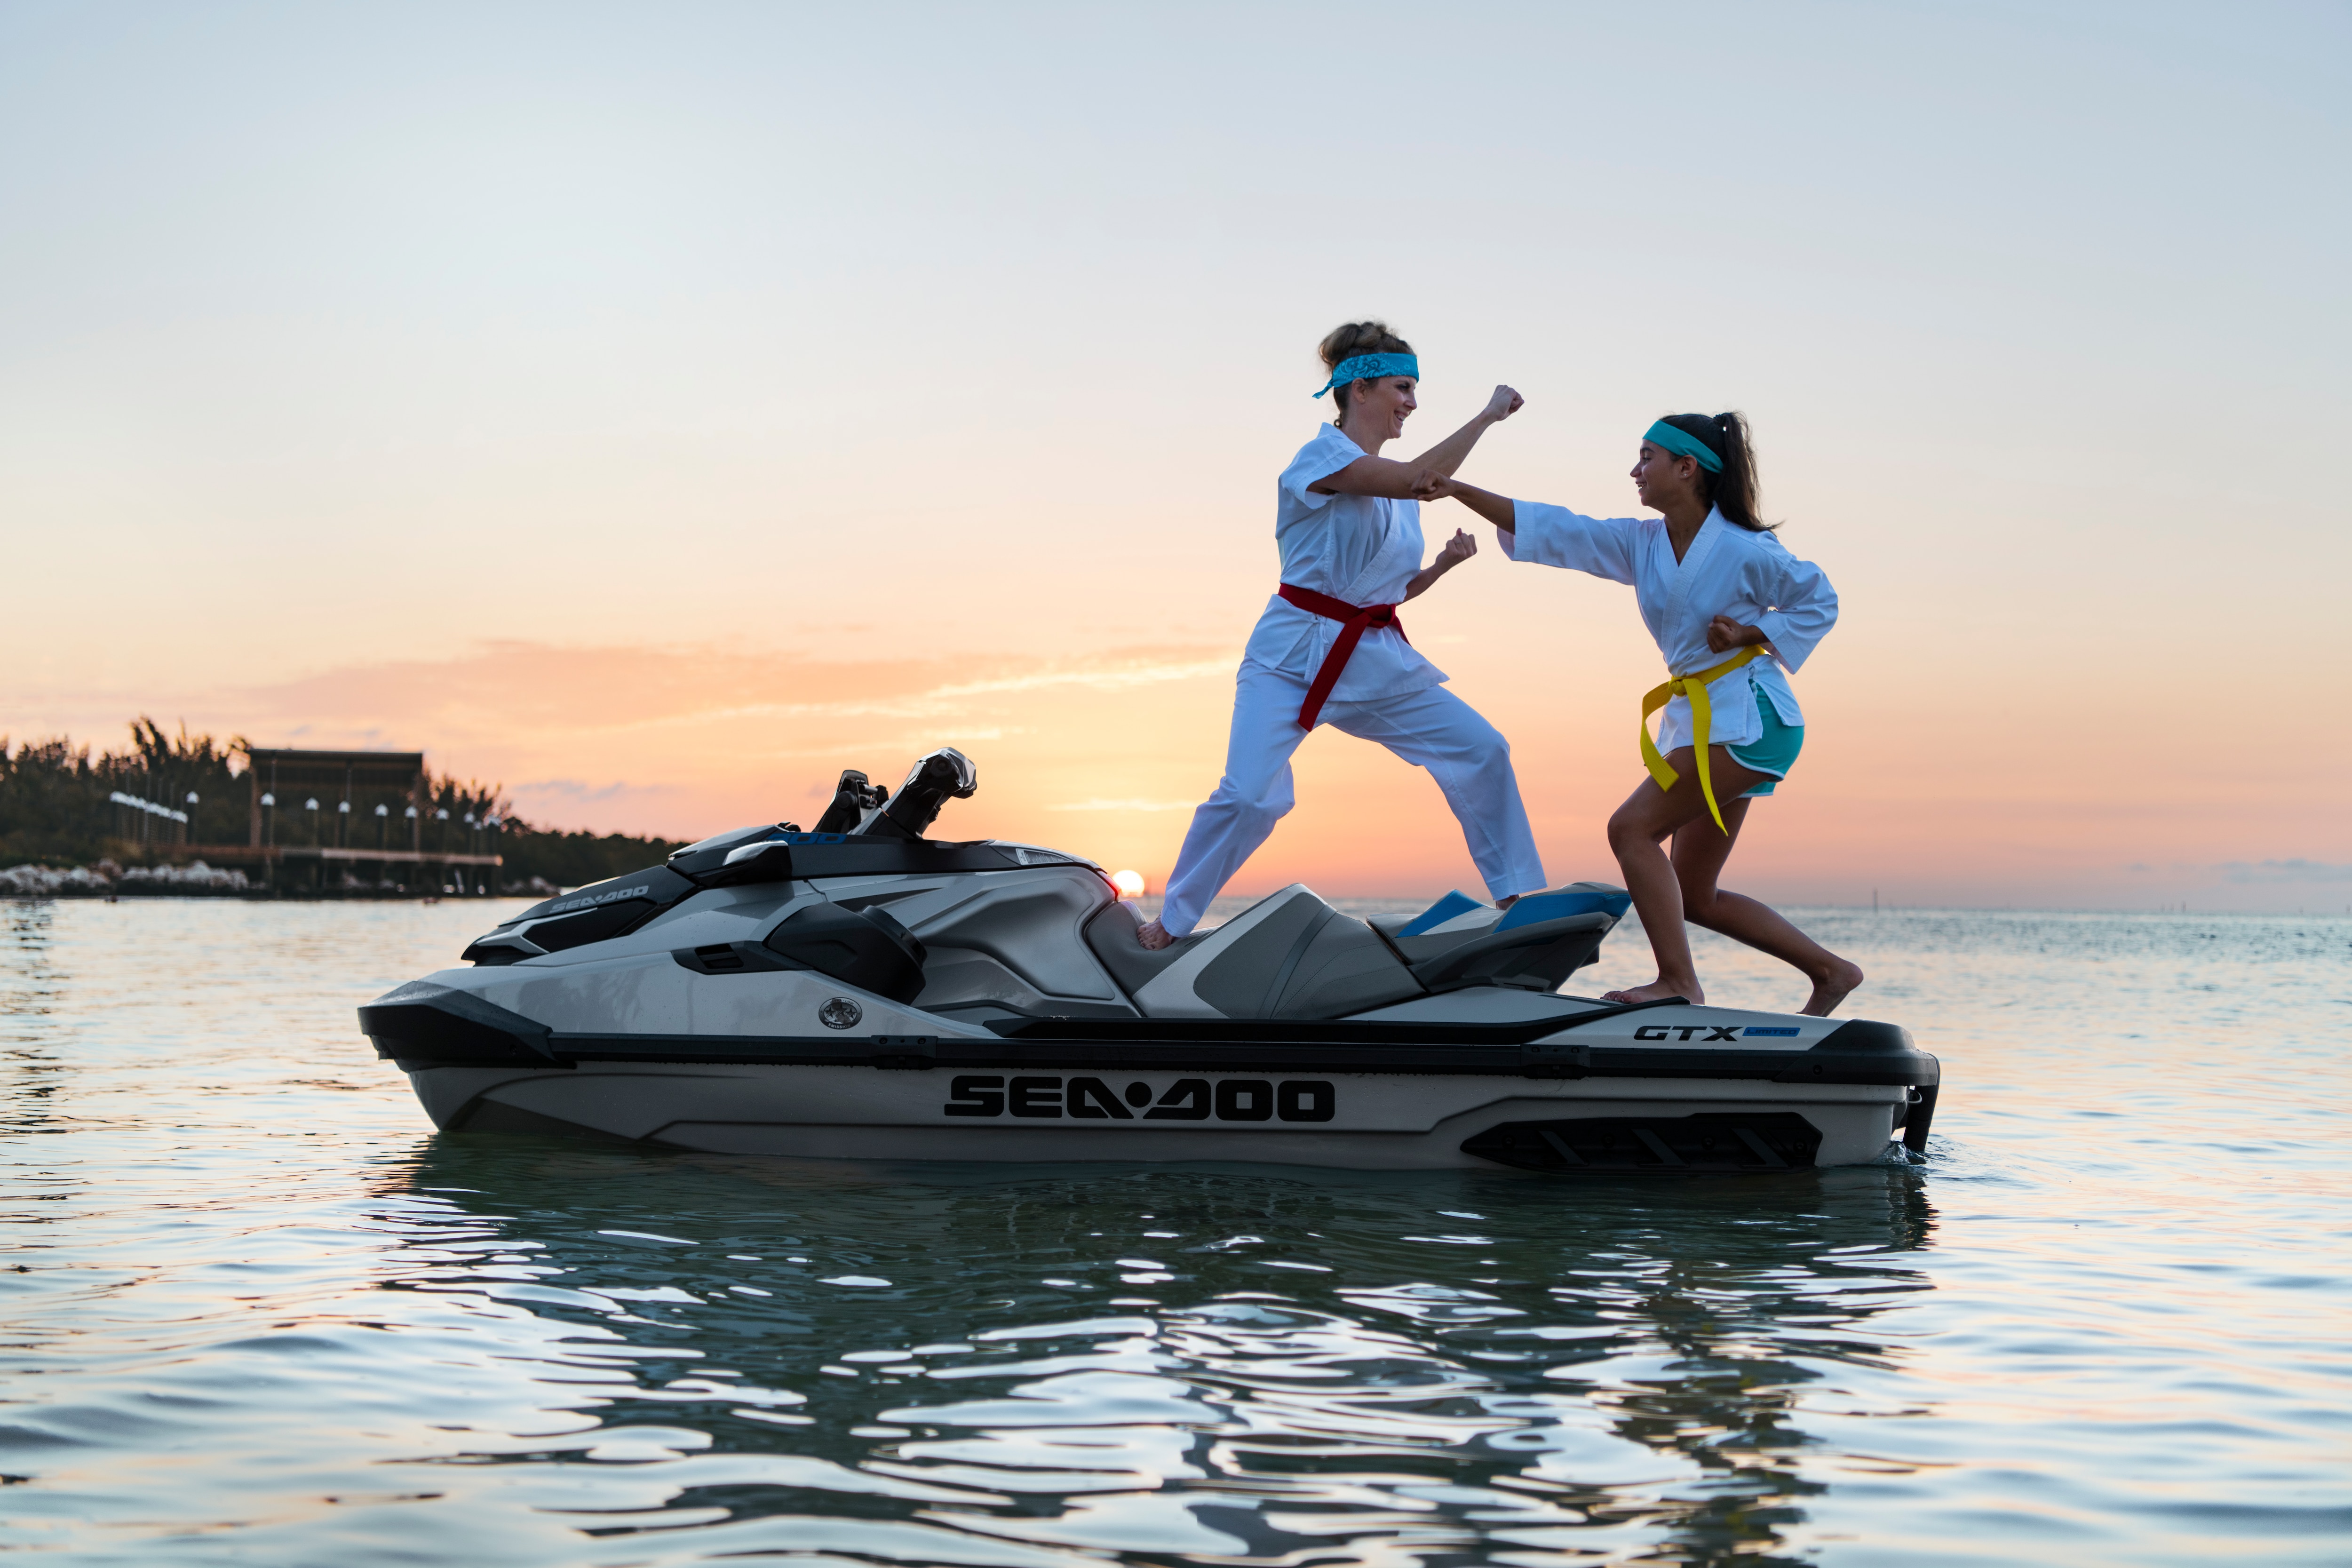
x=107 y=879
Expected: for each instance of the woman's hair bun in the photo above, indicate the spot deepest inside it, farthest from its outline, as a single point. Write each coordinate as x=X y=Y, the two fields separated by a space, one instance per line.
x=1349 y=339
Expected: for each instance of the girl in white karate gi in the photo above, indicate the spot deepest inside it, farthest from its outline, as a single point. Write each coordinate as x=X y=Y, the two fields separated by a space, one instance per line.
x=1717 y=591
x=1328 y=648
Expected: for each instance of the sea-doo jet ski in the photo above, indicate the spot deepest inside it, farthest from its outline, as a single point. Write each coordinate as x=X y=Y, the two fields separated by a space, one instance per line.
x=860 y=990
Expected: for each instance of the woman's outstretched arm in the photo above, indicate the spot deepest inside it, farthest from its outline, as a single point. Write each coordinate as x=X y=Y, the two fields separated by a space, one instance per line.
x=1383 y=476
x=1449 y=454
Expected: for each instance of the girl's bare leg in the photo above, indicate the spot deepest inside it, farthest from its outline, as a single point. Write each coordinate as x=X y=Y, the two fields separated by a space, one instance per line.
x=1699 y=853
x=1637 y=833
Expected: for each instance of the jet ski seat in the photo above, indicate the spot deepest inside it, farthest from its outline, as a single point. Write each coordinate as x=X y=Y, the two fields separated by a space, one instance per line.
x=1111 y=934
x=1289 y=955
x=1303 y=959
x=1536 y=944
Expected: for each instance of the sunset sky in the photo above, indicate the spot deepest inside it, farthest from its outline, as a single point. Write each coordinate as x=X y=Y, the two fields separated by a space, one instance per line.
x=660 y=408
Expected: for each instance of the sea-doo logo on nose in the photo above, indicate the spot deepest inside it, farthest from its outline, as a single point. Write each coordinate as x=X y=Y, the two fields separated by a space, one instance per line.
x=1186 y=1100
x=1713 y=1031
x=605 y=898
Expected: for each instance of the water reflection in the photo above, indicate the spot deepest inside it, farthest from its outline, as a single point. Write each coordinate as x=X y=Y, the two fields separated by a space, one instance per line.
x=254 y=1314
x=31 y=988
x=980 y=1365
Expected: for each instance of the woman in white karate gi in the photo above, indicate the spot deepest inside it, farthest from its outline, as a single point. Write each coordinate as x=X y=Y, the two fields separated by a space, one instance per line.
x=1328 y=648
x=1712 y=582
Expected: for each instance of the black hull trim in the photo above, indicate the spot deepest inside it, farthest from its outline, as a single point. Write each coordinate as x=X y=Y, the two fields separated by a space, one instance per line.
x=1907 y=1068
x=1312 y=1031
x=429 y=1025
x=1709 y=1142
x=434 y=1025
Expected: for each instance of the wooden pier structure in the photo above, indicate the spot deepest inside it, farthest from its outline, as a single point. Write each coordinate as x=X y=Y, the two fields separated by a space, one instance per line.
x=313 y=814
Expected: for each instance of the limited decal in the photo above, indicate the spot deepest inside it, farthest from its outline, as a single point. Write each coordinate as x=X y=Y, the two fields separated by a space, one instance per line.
x=615 y=896
x=1712 y=1032
x=1186 y=1100
x=1760 y=1029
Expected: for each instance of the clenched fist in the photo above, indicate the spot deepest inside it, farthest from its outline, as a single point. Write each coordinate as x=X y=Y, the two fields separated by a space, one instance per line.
x=1724 y=634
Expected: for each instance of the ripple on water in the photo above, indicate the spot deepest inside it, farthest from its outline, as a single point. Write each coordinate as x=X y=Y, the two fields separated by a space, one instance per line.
x=255 y=1313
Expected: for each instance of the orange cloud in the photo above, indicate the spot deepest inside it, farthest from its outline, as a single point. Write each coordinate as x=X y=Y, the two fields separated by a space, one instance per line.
x=1975 y=797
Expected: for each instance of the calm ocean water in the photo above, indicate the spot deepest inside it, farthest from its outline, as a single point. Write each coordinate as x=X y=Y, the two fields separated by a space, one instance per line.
x=253 y=1310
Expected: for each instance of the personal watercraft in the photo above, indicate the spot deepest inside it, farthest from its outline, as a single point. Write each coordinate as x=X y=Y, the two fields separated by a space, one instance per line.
x=860 y=990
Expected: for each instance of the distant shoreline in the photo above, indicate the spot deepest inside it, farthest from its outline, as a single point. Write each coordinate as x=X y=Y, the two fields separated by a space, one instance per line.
x=1225 y=908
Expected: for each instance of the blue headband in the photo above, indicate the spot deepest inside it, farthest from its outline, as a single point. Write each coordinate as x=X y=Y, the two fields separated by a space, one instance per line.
x=1674 y=438
x=1371 y=367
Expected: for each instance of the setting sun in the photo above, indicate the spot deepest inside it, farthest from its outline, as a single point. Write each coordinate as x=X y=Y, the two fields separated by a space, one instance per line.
x=1129 y=883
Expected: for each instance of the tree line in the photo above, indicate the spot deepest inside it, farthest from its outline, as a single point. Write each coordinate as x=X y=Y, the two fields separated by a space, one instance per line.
x=56 y=810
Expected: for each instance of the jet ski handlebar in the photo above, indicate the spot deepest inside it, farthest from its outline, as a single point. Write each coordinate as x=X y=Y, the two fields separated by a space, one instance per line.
x=945 y=774
x=861 y=806
x=853 y=797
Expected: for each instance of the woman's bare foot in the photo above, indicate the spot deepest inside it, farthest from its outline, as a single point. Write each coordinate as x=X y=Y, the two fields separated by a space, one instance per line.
x=1507 y=903
x=1831 y=988
x=1154 y=936
x=1688 y=990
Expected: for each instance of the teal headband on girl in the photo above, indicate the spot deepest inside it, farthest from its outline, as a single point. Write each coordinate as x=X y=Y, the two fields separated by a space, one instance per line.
x=1372 y=367
x=1676 y=439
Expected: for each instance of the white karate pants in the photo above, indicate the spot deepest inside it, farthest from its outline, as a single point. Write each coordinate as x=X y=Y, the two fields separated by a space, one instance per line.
x=1431 y=729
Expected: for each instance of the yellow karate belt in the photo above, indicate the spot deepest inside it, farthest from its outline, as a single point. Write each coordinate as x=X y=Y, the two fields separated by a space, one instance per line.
x=1702 y=725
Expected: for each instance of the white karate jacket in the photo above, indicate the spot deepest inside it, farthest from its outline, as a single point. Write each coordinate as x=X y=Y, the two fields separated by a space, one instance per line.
x=1362 y=550
x=1728 y=571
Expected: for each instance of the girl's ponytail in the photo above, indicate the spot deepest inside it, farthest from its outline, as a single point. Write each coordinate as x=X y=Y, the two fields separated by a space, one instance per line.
x=1733 y=492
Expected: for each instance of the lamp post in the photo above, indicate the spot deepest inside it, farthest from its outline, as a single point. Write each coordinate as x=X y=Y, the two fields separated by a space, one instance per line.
x=188 y=829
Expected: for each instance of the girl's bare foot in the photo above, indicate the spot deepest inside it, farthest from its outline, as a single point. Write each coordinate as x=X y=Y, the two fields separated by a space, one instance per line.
x=1688 y=990
x=1831 y=988
x=1154 y=936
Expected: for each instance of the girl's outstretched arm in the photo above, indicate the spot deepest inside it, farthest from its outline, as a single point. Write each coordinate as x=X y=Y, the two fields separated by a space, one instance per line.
x=1458 y=549
x=1497 y=509
x=1552 y=535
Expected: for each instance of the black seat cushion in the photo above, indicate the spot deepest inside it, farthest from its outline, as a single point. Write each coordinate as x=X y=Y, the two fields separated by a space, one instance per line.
x=1110 y=932
x=1303 y=960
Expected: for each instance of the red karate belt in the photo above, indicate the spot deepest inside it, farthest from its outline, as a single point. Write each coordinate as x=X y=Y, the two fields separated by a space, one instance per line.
x=1355 y=621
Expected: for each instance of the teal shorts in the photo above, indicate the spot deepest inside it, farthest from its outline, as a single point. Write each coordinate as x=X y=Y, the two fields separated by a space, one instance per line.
x=1774 y=751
